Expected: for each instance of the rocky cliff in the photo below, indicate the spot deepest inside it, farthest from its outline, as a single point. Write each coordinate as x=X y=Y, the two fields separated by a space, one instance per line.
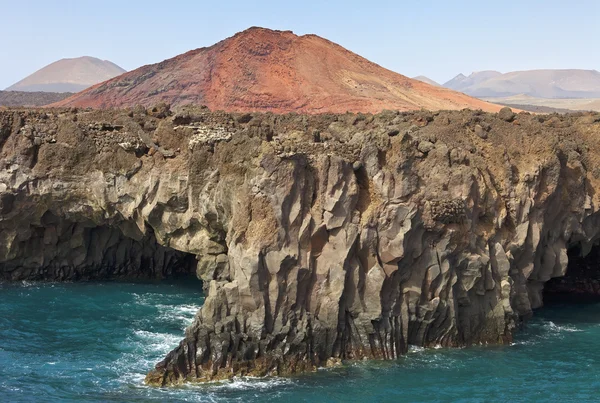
x=318 y=238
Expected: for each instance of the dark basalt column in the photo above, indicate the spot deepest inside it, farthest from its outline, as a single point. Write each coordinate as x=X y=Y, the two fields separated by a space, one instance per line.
x=62 y=250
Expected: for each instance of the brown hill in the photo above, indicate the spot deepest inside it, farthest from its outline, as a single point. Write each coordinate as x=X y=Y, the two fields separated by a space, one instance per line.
x=68 y=75
x=264 y=70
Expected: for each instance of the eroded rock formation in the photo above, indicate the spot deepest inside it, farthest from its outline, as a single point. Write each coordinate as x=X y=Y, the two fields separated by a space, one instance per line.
x=318 y=238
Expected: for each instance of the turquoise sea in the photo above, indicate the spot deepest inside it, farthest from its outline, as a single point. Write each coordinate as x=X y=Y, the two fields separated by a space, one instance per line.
x=93 y=342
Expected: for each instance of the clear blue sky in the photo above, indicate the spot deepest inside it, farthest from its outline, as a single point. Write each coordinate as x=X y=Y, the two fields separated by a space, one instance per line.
x=438 y=39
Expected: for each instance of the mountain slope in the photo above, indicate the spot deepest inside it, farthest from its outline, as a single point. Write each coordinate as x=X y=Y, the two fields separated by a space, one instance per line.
x=68 y=75
x=278 y=71
x=535 y=83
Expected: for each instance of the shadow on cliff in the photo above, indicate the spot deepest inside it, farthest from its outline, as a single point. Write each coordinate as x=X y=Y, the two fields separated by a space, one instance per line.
x=581 y=283
x=58 y=249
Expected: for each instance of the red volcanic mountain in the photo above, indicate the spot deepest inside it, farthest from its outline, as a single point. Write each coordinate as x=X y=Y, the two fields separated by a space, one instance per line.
x=265 y=70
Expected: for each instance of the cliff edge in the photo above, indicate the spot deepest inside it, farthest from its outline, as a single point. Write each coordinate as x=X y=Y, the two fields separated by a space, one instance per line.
x=318 y=238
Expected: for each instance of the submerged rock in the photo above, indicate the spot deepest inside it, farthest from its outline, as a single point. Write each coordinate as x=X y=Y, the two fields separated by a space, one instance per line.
x=310 y=251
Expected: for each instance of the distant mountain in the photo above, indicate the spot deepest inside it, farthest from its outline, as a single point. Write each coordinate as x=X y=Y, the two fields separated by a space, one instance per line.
x=535 y=83
x=426 y=80
x=547 y=105
x=265 y=70
x=69 y=75
x=462 y=82
x=22 y=98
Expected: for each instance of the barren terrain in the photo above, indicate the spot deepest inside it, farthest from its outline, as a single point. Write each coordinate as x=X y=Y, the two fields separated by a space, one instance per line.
x=273 y=71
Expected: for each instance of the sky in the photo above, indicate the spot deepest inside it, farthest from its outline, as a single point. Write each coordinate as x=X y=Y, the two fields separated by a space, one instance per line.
x=438 y=39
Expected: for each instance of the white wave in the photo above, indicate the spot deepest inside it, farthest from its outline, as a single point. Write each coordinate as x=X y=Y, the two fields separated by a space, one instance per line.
x=133 y=378
x=39 y=284
x=249 y=383
x=558 y=328
x=207 y=391
x=148 y=299
x=157 y=343
x=186 y=309
x=182 y=314
x=523 y=343
x=189 y=310
x=415 y=349
x=30 y=284
x=149 y=347
x=131 y=368
x=419 y=349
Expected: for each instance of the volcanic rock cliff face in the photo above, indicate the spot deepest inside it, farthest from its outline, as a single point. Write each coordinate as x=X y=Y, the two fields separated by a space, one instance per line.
x=272 y=71
x=318 y=238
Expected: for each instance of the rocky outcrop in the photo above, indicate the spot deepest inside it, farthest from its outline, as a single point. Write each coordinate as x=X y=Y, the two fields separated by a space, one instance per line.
x=318 y=238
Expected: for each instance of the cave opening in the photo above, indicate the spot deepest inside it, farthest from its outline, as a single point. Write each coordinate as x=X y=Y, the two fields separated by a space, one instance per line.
x=63 y=250
x=581 y=283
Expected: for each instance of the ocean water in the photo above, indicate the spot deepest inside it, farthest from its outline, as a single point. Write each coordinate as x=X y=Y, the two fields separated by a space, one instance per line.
x=94 y=342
